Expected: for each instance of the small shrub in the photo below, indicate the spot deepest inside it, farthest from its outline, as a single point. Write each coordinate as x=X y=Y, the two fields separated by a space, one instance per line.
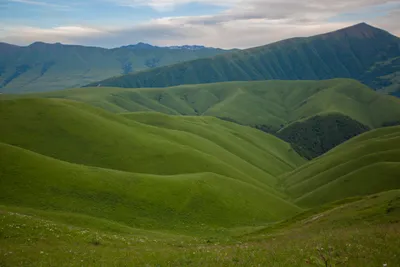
x=95 y=242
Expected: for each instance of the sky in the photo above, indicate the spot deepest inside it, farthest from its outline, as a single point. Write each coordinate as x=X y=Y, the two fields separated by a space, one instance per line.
x=215 y=23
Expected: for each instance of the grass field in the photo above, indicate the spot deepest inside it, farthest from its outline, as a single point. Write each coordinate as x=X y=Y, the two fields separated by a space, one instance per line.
x=272 y=104
x=83 y=186
x=136 y=200
x=358 y=232
x=78 y=133
x=313 y=116
x=137 y=173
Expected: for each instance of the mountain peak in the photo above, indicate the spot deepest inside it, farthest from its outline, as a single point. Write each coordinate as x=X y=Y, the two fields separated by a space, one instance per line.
x=37 y=44
x=362 y=24
x=188 y=47
x=142 y=45
x=361 y=27
x=139 y=45
x=360 y=30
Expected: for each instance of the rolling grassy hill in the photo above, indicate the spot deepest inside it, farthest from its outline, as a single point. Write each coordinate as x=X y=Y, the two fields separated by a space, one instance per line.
x=88 y=161
x=135 y=200
x=78 y=133
x=314 y=116
x=47 y=67
x=271 y=104
x=80 y=185
x=361 y=52
x=231 y=137
x=364 y=165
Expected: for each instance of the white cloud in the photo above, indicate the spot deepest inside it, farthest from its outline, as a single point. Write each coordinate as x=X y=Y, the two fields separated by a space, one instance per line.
x=39 y=3
x=268 y=6
x=66 y=34
x=167 y=5
x=244 y=24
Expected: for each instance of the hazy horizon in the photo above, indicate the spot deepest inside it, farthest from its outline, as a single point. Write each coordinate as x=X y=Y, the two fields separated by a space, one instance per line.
x=227 y=24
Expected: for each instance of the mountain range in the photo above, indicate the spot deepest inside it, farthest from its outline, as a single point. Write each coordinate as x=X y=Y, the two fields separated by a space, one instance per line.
x=281 y=155
x=361 y=52
x=142 y=45
x=48 y=67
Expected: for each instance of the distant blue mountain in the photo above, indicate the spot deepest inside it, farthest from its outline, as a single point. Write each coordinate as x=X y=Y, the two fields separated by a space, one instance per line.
x=181 y=47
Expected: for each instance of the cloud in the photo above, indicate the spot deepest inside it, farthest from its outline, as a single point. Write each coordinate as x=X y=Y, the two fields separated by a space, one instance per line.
x=39 y=3
x=390 y=22
x=66 y=34
x=168 y=5
x=243 y=24
x=88 y=35
x=291 y=10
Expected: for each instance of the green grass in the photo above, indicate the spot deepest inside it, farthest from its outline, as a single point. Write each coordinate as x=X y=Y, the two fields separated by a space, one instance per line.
x=78 y=133
x=359 y=233
x=380 y=208
x=140 y=174
x=232 y=137
x=136 y=200
x=364 y=165
x=264 y=103
x=83 y=186
x=314 y=116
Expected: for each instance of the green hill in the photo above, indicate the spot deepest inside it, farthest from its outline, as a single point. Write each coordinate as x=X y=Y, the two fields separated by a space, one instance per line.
x=230 y=136
x=82 y=186
x=270 y=104
x=47 y=67
x=78 y=133
x=361 y=52
x=135 y=200
x=118 y=160
x=314 y=116
x=366 y=164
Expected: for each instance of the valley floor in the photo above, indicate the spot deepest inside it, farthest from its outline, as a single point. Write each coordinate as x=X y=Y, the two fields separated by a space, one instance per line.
x=355 y=232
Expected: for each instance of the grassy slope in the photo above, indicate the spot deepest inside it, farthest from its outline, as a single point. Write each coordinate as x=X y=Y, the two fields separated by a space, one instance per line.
x=144 y=201
x=46 y=67
x=57 y=213
x=364 y=165
x=219 y=168
x=267 y=103
x=352 y=52
x=359 y=233
x=78 y=133
x=230 y=136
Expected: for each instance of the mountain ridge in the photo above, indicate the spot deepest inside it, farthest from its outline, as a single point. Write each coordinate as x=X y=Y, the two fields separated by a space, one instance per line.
x=142 y=45
x=139 y=45
x=325 y=56
x=313 y=116
x=46 y=67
